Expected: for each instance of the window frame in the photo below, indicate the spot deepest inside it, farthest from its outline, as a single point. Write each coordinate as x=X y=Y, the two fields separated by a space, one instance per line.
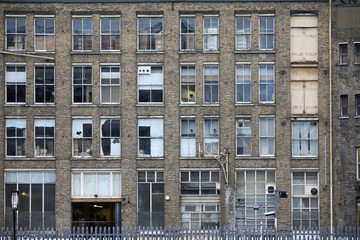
x=15 y=84
x=200 y=214
x=82 y=66
x=357 y=52
x=306 y=139
x=16 y=34
x=45 y=35
x=242 y=32
x=188 y=84
x=148 y=86
x=45 y=138
x=357 y=104
x=212 y=84
x=188 y=34
x=267 y=33
x=357 y=163
x=267 y=137
x=82 y=120
x=344 y=106
x=82 y=34
x=16 y=138
x=44 y=84
x=109 y=137
x=207 y=34
x=110 y=85
x=189 y=136
x=201 y=189
x=150 y=137
x=343 y=53
x=242 y=83
x=150 y=34
x=212 y=138
x=244 y=136
x=110 y=17
x=267 y=82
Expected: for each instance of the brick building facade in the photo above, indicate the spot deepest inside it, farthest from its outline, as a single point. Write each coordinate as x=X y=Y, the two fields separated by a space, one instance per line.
x=119 y=113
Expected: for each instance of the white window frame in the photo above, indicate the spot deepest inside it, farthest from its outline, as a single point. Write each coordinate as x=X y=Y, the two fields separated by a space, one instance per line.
x=111 y=35
x=213 y=181
x=18 y=83
x=267 y=33
x=211 y=34
x=150 y=35
x=267 y=82
x=156 y=136
x=188 y=138
x=307 y=139
x=45 y=35
x=44 y=84
x=152 y=83
x=88 y=152
x=82 y=66
x=268 y=137
x=242 y=32
x=188 y=35
x=241 y=81
x=17 y=124
x=113 y=139
x=343 y=55
x=211 y=83
x=186 y=83
x=242 y=133
x=82 y=34
x=306 y=195
x=110 y=85
x=212 y=138
x=16 y=35
x=46 y=122
x=97 y=194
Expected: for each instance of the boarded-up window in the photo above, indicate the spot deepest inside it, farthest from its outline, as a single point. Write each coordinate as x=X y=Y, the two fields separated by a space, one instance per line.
x=304 y=39
x=304 y=90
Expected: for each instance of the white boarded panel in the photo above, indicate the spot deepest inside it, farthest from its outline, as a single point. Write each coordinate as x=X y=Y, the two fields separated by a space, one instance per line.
x=311 y=97
x=304 y=21
x=297 y=98
x=304 y=74
x=304 y=45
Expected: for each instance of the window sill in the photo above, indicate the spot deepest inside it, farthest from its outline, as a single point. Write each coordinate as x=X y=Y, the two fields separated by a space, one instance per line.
x=15 y=104
x=111 y=158
x=150 y=104
x=249 y=157
x=357 y=63
x=83 y=105
x=344 y=117
x=357 y=117
x=211 y=51
x=254 y=51
x=74 y=158
x=211 y=105
x=44 y=51
x=110 y=51
x=42 y=105
x=149 y=158
x=245 y=104
x=84 y=52
x=343 y=64
x=110 y=104
x=187 y=51
x=30 y=159
x=150 y=52
x=304 y=158
x=189 y=105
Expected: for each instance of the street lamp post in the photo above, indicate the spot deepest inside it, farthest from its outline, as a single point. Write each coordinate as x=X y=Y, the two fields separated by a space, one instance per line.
x=14 y=208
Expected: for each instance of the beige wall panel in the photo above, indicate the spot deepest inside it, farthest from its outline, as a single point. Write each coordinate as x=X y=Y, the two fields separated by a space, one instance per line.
x=348 y=17
x=297 y=98
x=304 y=21
x=304 y=74
x=311 y=97
x=304 y=45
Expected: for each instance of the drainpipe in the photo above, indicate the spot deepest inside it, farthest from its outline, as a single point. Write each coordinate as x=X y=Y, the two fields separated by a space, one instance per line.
x=331 y=128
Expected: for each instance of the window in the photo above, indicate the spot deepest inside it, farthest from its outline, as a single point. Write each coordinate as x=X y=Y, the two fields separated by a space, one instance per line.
x=267 y=80
x=188 y=80
x=243 y=137
x=200 y=182
x=150 y=33
x=110 y=84
x=357 y=52
x=243 y=84
x=251 y=186
x=151 y=136
x=82 y=137
x=150 y=84
x=37 y=198
x=90 y=184
x=110 y=137
x=15 y=80
x=267 y=136
x=211 y=84
x=357 y=100
x=110 y=33
x=188 y=34
x=243 y=33
x=343 y=53
x=211 y=33
x=305 y=199
x=150 y=199
x=266 y=33
x=82 y=34
x=211 y=136
x=44 y=84
x=357 y=163
x=200 y=215
x=82 y=84
x=305 y=139
x=45 y=34
x=44 y=137
x=15 y=137
x=15 y=33
x=344 y=106
x=188 y=139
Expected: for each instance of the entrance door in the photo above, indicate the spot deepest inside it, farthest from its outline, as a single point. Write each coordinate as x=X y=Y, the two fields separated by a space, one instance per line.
x=96 y=214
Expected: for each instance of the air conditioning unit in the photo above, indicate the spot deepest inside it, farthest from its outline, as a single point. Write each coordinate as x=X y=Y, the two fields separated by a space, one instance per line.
x=144 y=69
x=312 y=190
x=269 y=187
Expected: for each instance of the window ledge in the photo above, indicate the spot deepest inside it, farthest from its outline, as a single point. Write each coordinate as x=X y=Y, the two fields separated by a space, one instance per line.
x=211 y=105
x=150 y=52
x=197 y=158
x=22 y=158
x=44 y=158
x=343 y=64
x=84 y=53
x=255 y=51
x=110 y=52
x=245 y=104
x=105 y=158
x=267 y=103
x=189 y=105
x=248 y=157
x=344 y=117
x=150 y=158
x=211 y=51
x=43 y=52
x=110 y=105
x=304 y=158
x=84 y=105
x=356 y=63
x=150 y=105
x=42 y=105
x=15 y=104
x=187 y=51
x=357 y=117
x=73 y=158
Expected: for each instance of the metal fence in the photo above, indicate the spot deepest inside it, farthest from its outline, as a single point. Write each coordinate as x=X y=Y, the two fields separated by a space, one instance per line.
x=108 y=233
